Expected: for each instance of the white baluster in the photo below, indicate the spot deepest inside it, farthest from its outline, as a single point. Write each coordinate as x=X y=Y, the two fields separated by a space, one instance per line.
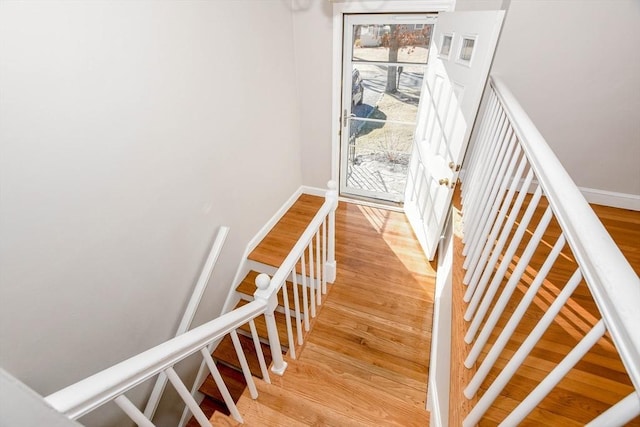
x=506 y=332
x=619 y=414
x=516 y=275
x=263 y=282
x=305 y=291
x=479 y=142
x=324 y=256
x=246 y=371
x=312 y=282
x=187 y=398
x=222 y=387
x=514 y=363
x=296 y=305
x=330 y=264
x=259 y=353
x=481 y=145
x=555 y=376
x=472 y=205
x=475 y=264
x=287 y=319
x=490 y=191
x=496 y=198
x=132 y=411
x=511 y=250
x=318 y=269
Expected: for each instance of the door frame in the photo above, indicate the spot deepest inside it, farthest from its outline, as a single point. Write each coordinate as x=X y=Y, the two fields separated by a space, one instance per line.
x=347 y=64
x=363 y=7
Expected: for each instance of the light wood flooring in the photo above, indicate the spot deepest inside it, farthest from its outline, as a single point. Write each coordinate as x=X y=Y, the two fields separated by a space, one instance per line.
x=366 y=361
x=598 y=381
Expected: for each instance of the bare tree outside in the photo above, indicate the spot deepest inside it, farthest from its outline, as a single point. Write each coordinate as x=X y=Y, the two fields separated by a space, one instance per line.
x=398 y=38
x=388 y=61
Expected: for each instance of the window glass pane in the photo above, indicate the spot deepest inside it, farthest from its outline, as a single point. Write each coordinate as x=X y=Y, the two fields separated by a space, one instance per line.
x=445 y=48
x=386 y=92
x=407 y=43
x=378 y=156
x=467 y=49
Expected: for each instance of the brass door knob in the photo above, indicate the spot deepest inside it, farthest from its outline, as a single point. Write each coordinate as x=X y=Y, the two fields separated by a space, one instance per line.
x=444 y=181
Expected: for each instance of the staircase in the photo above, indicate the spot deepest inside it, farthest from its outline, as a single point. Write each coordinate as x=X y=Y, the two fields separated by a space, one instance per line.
x=265 y=258
x=366 y=360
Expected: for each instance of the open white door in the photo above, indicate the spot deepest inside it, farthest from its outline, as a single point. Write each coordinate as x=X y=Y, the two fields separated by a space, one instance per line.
x=459 y=60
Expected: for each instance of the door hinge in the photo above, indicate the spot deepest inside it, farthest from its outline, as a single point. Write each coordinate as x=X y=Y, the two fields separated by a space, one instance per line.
x=344 y=118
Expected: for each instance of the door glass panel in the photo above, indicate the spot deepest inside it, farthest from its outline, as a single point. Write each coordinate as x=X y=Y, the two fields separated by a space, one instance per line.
x=391 y=43
x=386 y=64
x=467 y=49
x=445 y=47
x=378 y=157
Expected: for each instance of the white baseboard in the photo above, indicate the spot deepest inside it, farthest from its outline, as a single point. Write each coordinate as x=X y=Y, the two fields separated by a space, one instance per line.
x=599 y=197
x=261 y=234
x=314 y=191
x=611 y=198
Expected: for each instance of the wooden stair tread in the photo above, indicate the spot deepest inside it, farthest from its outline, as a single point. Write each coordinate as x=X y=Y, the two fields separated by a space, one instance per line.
x=233 y=379
x=225 y=353
x=261 y=327
x=247 y=287
x=275 y=247
x=210 y=408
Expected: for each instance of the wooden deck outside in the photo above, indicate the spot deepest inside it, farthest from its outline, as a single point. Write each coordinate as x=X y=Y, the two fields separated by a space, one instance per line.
x=366 y=359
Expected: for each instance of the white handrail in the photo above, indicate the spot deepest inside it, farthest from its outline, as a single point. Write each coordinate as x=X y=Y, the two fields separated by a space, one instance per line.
x=267 y=290
x=613 y=283
x=86 y=395
x=280 y=276
x=189 y=313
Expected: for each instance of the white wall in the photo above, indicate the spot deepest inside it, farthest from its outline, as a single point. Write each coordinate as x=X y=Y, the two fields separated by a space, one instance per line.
x=129 y=132
x=313 y=32
x=572 y=64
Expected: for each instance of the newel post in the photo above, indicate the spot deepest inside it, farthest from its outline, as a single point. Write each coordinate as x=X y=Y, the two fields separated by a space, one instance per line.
x=265 y=293
x=330 y=265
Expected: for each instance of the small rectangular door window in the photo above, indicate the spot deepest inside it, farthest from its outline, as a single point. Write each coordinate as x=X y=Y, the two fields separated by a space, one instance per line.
x=466 y=52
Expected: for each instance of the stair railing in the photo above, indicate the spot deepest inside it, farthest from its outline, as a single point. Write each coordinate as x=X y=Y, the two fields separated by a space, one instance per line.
x=510 y=161
x=189 y=313
x=112 y=383
x=310 y=265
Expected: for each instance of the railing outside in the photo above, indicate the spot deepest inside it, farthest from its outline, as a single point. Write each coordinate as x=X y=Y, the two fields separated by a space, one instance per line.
x=511 y=159
x=314 y=253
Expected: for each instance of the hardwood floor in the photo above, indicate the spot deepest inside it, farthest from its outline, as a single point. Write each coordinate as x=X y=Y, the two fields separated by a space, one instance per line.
x=598 y=381
x=366 y=360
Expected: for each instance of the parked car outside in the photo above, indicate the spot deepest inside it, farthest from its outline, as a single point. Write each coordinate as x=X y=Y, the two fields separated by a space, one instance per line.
x=357 y=89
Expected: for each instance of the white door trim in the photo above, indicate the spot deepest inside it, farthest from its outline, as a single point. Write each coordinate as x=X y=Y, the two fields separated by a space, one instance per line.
x=360 y=6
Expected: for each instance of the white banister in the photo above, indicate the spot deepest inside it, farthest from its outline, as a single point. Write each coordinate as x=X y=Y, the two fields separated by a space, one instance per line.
x=110 y=384
x=307 y=245
x=189 y=313
x=507 y=137
x=613 y=283
x=86 y=395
